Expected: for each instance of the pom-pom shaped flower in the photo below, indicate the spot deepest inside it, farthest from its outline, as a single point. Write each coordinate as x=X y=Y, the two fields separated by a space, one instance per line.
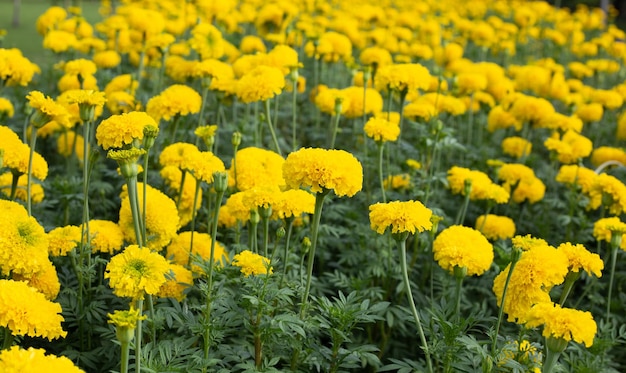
x=570 y=148
x=381 y=130
x=516 y=147
x=175 y=100
x=463 y=247
x=46 y=281
x=26 y=311
x=252 y=264
x=401 y=217
x=495 y=227
x=136 y=271
x=46 y=109
x=293 y=203
x=34 y=360
x=120 y=130
x=478 y=184
x=256 y=168
x=604 y=229
x=16 y=69
x=608 y=155
x=564 y=323
x=178 y=250
x=580 y=258
x=62 y=240
x=162 y=221
x=260 y=84
x=322 y=169
x=402 y=78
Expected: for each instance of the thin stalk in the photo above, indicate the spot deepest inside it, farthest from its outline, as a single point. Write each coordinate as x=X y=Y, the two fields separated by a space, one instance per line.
x=152 y=316
x=131 y=182
x=457 y=298
x=268 y=118
x=381 y=178
x=209 y=300
x=570 y=279
x=501 y=311
x=180 y=189
x=319 y=204
x=138 y=333
x=407 y=285
x=613 y=263
x=7 y=340
x=334 y=130
x=266 y=234
x=286 y=251
x=144 y=210
x=14 y=182
x=294 y=101
x=193 y=221
x=461 y=214
x=33 y=140
x=125 y=356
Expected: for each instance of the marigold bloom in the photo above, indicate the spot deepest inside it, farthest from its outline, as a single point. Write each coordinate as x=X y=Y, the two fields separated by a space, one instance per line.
x=6 y=109
x=592 y=112
x=609 y=191
x=47 y=109
x=107 y=59
x=397 y=182
x=16 y=70
x=463 y=247
x=580 y=258
x=233 y=211
x=375 y=56
x=293 y=203
x=106 y=236
x=605 y=228
x=63 y=240
x=162 y=219
x=324 y=169
x=331 y=47
x=332 y=101
x=172 y=176
x=576 y=175
x=251 y=44
x=135 y=272
x=563 y=323
x=181 y=279
x=499 y=118
x=482 y=188
x=37 y=193
x=527 y=186
x=516 y=147
x=120 y=130
x=252 y=264
x=26 y=311
x=34 y=360
x=260 y=84
x=381 y=130
x=495 y=227
x=45 y=281
x=176 y=100
x=178 y=250
x=605 y=154
x=400 y=216
x=126 y=319
x=402 y=78
x=256 y=168
x=570 y=148
x=357 y=107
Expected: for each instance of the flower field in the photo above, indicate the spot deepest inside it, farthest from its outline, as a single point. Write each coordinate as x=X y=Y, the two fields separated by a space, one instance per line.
x=301 y=186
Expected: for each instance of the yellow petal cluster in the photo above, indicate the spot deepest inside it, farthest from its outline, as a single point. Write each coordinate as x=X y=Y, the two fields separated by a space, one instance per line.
x=463 y=247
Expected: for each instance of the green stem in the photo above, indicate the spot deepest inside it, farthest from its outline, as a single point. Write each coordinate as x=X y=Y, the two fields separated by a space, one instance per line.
x=125 y=357
x=33 y=140
x=514 y=261
x=131 y=182
x=152 y=317
x=7 y=340
x=14 y=183
x=461 y=215
x=459 y=288
x=144 y=210
x=407 y=285
x=334 y=130
x=209 y=299
x=268 y=118
x=138 y=334
x=193 y=221
x=205 y=92
x=319 y=203
x=294 y=101
x=570 y=279
x=613 y=263
x=286 y=251
x=179 y=196
x=266 y=234
x=551 y=358
x=381 y=178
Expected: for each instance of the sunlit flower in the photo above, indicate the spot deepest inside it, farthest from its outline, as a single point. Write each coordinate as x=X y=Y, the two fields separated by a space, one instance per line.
x=604 y=154
x=260 y=84
x=564 y=323
x=463 y=247
x=516 y=147
x=495 y=227
x=252 y=264
x=135 y=272
x=46 y=281
x=106 y=236
x=62 y=240
x=178 y=250
x=580 y=258
x=400 y=217
x=179 y=280
x=462 y=180
x=34 y=360
x=570 y=148
x=120 y=130
x=402 y=78
x=176 y=100
x=381 y=130
x=322 y=169
x=46 y=109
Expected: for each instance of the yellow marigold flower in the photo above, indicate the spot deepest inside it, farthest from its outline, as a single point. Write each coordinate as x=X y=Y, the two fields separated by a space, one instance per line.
x=558 y=121
x=260 y=84
x=120 y=130
x=233 y=211
x=381 y=130
x=256 y=168
x=88 y=101
x=106 y=236
x=527 y=186
x=415 y=165
x=592 y=112
x=50 y=19
x=323 y=169
x=570 y=148
x=499 y=118
x=577 y=175
x=26 y=311
x=375 y=56
x=463 y=247
x=331 y=47
x=25 y=243
x=420 y=108
x=178 y=250
x=527 y=242
x=181 y=279
x=202 y=165
x=252 y=264
x=16 y=155
x=495 y=227
x=45 y=281
x=580 y=258
x=251 y=44
x=260 y=198
x=17 y=70
x=120 y=102
x=34 y=360
x=332 y=101
x=402 y=78
x=126 y=319
x=123 y=82
x=107 y=59
x=609 y=99
x=356 y=108
x=516 y=147
x=605 y=228
x=6 y=109
x=178 y=155
x=293 y=203
x=470 y=82
x=604 y=154
x=529 y=109
x=609 y=191
x=481 y=186
x=283 y=57
x=206 y=133
x=162 y=220
x=136 y=271
x=400 y=216
x=176 y=100
x=563 y=323
x=397 y=182
x=47 y=109
x=62 y=240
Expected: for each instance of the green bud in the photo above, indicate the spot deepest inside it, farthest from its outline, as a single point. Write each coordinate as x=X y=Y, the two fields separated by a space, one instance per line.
x=127 y=160
x=150 y=134
x=280 y=232
x=254 y=216
x=557 y=345
x=265 y=212
x=236 y=140
x=220 y=181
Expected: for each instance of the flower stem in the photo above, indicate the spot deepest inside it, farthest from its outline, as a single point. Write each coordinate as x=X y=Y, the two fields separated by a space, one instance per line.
x=268 y=118
x=514 y=260
x=407 y=285
x=613 y=263
x=294 y=101
x=334 y=130
x=131 y=182
x=319 y=203
x=14 y=182
x=286 y=251
x=33 y=140
x=139 y=305
x=144 y=210
x=125 y=356
x=551 y=358
x=193 y=221
x=381 y=149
